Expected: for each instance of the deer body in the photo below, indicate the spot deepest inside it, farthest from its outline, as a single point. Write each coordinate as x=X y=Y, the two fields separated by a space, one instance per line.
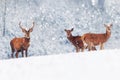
x=92 y=39
x=21 y=44
x=75 y=40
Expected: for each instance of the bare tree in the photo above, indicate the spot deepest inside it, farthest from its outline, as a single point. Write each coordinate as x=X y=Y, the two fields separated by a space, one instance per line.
x=89 y=3
x=4 y=18
x=101 y=4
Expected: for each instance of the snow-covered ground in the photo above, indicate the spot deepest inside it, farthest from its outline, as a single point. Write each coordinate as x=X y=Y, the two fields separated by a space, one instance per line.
x=50 y=56
x=95 y=65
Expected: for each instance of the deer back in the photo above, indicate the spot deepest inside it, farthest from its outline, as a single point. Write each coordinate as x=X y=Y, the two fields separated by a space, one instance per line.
x=96 y=39
x=18 y=43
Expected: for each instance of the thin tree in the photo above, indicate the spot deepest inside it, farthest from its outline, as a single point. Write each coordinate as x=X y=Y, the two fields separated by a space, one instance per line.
x=4 y=18
x=101 y=4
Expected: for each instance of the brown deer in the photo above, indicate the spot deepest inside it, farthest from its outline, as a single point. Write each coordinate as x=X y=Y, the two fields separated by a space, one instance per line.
x=93 y=39
x=75 y=40
x=21 y=44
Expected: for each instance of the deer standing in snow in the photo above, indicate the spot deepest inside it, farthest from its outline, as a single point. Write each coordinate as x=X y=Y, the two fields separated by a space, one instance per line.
x=21 y=44
x=75 y=40
x=93 y=39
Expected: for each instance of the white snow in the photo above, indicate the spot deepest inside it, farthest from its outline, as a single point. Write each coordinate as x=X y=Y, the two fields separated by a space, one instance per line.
x=50 y=56
x=94 y=65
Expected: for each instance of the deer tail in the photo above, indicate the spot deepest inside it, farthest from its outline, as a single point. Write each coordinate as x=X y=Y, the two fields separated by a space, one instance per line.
x=12 y=48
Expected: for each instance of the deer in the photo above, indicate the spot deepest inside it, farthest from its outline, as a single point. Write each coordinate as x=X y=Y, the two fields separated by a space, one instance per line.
x=21 y=44
x=75 y=40
x=93 y=39
x=92 y=48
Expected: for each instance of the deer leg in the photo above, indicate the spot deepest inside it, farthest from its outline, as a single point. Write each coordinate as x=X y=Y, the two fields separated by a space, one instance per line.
x=16 y=54
x=101 y=46
x=22 y=53
x=89 y=46
x=82 y=49
x=94 y=48
x=86 y=47
x=26 y=53
x=12 y=54
x=77 y=49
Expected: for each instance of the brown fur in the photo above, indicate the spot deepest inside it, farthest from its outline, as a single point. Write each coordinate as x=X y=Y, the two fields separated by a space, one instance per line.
x=21 y=44
x=93 y=39
x=75 y=40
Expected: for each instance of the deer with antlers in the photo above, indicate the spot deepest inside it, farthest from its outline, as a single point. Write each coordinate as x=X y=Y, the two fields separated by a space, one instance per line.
x=93 y=39
x=21 y=44
x=75 y=40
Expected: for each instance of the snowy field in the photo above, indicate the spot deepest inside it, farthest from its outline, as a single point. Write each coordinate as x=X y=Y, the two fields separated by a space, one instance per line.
x=95 y=65
x=51 y=55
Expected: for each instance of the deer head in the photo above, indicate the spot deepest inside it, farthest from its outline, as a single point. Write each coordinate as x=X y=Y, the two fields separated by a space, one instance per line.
x=27 y=32
x=108 y=27
x=69 y=32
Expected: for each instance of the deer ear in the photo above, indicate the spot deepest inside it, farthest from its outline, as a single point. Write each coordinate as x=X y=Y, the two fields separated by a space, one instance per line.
x=23 y=30
x=111 y=25
x=72 y=29
x=65 y=30
x=105 y=25
x=31 y=29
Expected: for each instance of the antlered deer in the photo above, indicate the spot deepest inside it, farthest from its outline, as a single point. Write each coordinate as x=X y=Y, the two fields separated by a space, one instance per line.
x=75 y=40
x=21 y=44
x=93 y=39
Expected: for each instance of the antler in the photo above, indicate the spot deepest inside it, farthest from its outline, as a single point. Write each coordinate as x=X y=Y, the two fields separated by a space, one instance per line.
x=111 y=24
x=31 y=29
x=20 y=24
x=23 y=30
x=33 y=25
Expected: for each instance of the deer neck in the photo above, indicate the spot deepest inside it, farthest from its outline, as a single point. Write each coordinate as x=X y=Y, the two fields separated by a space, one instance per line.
x=27 y=39
x=107 y=34
x=25 y=42
x=70 y=37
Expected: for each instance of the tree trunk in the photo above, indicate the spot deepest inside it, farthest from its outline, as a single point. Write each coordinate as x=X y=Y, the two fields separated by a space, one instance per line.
x=4 y=19
x=101 y=4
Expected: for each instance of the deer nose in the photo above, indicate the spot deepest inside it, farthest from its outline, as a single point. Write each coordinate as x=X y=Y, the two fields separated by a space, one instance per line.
x=109 y=29
x=68 y=35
